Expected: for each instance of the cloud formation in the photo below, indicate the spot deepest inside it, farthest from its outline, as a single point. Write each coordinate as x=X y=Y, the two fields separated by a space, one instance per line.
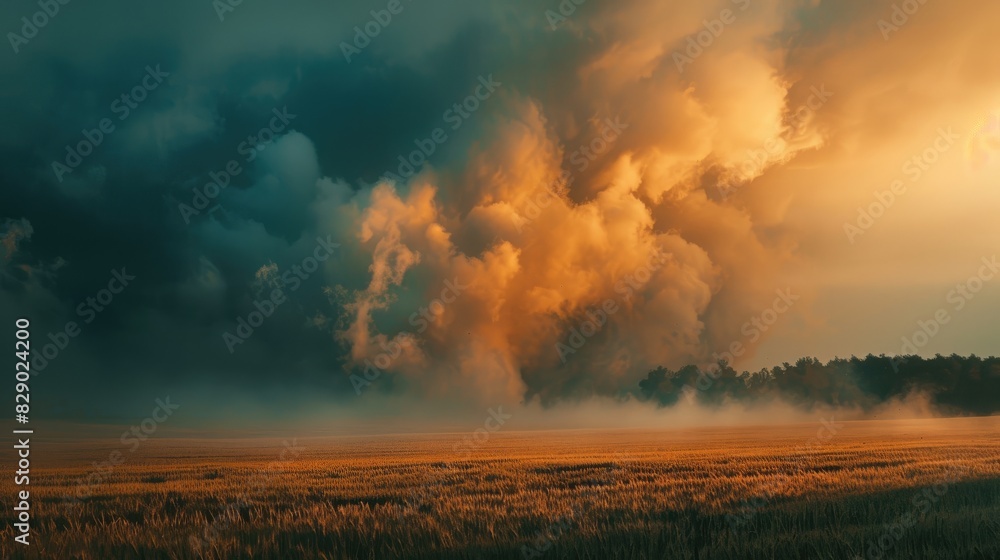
x=643 y=180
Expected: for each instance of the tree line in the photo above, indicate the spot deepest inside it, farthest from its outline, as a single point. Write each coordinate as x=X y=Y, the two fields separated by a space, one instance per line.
x=956 y=384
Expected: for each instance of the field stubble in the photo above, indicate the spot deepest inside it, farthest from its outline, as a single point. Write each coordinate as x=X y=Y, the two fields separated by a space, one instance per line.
x=749 y=492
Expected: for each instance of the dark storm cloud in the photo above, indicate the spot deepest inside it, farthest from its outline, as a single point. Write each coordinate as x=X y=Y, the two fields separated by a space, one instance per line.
x=66 y=232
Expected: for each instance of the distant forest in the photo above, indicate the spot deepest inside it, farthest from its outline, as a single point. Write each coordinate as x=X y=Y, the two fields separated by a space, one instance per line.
x=956 y=384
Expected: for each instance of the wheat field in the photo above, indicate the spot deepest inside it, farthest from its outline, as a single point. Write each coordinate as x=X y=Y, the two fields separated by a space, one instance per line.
x=874 y=489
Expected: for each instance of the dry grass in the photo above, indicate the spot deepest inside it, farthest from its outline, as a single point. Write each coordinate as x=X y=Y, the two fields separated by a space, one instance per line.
x=713 y=493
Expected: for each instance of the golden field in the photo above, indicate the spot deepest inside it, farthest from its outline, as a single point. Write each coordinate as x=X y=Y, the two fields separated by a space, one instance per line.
x=873 y=489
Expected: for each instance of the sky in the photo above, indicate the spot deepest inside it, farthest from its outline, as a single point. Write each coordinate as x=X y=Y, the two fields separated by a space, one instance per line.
x=264 y=208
